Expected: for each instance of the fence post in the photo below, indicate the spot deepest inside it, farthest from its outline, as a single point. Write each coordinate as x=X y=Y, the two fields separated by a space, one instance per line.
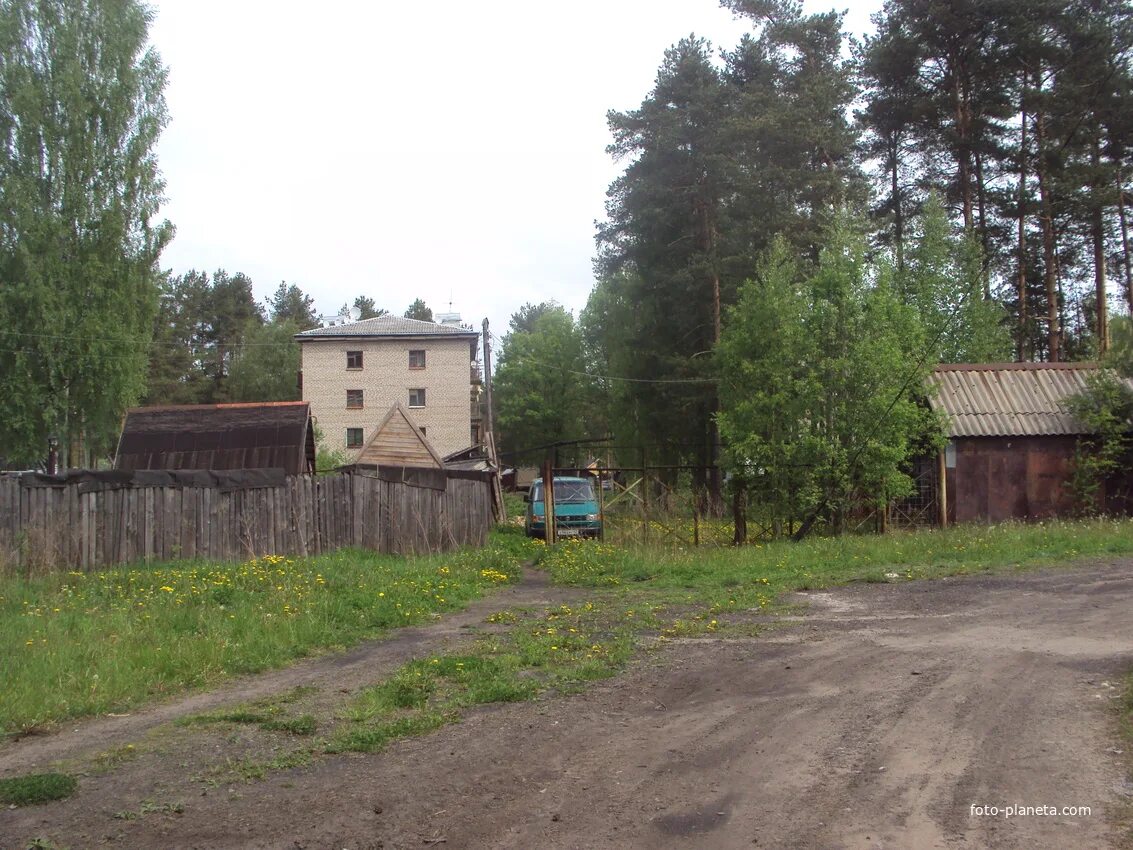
x=551 y=533
x=695 y=518
x=644 y=499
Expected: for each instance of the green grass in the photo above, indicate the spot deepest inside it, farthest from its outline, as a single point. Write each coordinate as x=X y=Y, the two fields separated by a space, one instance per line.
x=719 y=579
x=80 y=644
x=36 y=788
x=558 y=649
x=302 y=725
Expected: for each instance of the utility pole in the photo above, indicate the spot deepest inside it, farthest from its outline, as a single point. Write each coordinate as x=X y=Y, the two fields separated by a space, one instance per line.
x=490 y=432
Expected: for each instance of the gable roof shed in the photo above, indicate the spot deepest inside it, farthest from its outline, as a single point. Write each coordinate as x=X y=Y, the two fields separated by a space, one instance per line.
x=269 y=435
x=398 y=442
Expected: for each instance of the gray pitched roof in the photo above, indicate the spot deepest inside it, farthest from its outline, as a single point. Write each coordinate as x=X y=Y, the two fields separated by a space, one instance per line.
x=1008 y=399
x=386 y=326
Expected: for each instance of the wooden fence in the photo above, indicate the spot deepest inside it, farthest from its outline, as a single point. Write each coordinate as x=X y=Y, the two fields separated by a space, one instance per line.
x=81 y=528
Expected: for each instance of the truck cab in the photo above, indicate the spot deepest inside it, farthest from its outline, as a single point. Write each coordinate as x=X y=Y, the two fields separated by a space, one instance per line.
x=576 y=509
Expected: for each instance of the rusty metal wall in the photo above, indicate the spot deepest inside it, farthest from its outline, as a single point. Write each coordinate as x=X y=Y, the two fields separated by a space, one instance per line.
x=1002 y=478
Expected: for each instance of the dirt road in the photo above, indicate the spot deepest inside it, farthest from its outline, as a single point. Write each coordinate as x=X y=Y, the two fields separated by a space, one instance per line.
x=875 y=719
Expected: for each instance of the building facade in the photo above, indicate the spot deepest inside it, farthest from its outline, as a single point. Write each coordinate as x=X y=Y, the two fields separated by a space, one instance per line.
x=353 y=373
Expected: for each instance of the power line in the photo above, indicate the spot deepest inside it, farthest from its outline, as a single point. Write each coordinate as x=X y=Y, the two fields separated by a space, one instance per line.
x=643 y=380
x=142 y=342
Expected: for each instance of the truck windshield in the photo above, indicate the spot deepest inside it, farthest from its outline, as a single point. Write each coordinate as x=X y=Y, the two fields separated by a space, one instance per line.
x=565 y=491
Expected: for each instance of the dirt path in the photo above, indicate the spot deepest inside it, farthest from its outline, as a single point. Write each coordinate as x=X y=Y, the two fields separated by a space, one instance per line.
x=876 y=720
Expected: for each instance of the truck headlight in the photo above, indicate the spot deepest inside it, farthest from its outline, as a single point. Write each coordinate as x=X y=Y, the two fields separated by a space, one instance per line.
x=593 y=517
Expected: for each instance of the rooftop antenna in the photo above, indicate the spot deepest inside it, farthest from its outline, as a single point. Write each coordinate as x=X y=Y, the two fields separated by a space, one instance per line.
x=355 y=313
x=450 y=300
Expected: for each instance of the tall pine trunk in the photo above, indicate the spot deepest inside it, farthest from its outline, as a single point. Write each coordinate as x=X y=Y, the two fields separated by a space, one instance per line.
x=895 y=188
x=1124 y=238
x=985 y=261
x=963 y=149
x=1097 y=234
x=706 y=227
x=1021 y=242
x=1046 y=219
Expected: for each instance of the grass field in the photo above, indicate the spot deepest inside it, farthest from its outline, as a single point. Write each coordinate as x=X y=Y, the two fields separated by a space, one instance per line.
x=634 y=592
x=720 y=577
x=79 y=644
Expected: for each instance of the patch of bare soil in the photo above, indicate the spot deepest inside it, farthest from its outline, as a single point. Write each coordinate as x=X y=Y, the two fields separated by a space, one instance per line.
x=878 y=719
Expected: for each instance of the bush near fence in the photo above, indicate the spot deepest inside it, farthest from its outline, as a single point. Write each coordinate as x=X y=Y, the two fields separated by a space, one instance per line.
x=76 y=527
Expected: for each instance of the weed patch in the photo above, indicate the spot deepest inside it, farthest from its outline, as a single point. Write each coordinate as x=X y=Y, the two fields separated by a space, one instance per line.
x=304 y=724
x=559 y=649
x=36 y=788
x=109 y=760
x=149 y=807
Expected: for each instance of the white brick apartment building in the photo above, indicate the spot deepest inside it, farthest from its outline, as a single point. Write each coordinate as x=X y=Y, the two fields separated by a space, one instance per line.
x=353 y=373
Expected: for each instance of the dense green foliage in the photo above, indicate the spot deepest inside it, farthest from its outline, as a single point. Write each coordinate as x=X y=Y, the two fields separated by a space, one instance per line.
x=291 y=304
x=538 y=386
x=201 y=324
x=721 y=158
x=817 y=369
x=1019 y=112
x=81 y=109
x=266 y=366
x=1106 y=409
x=419 y=310
x=991 y=149
x=212 y=342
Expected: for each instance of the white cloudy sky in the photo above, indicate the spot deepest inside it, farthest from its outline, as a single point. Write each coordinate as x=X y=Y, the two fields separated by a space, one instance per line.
x=442 y=150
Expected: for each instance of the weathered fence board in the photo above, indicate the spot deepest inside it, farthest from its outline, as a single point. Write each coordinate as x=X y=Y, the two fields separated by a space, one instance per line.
x=66 y=528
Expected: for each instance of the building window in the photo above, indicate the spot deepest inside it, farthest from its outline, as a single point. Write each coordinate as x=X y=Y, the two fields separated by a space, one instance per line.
x=417 y=359
x=354 y=360
x=417 y=398
x=353 y=399
x=423 y=430
x=353 y=438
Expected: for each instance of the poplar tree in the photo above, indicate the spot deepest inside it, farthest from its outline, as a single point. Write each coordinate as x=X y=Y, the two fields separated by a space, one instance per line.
x=81 y=109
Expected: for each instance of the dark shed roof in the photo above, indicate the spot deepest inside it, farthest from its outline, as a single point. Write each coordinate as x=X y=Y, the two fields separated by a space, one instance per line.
x=219 y=436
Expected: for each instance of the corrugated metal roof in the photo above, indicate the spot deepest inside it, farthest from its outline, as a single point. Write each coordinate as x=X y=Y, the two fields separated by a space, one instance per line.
x=1008 y=399
x=386 y=326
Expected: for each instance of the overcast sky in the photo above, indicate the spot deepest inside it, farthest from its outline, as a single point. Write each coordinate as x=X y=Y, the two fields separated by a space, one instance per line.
x=446 y=150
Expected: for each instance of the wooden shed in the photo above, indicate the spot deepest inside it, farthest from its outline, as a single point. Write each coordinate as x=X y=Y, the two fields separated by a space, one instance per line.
x=398 y=442
x=268 y=435
x=1011 y=441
